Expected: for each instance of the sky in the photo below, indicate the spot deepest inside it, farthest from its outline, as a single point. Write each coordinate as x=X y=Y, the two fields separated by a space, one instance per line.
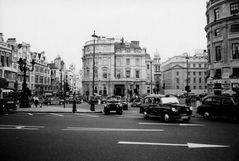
x=61 y=27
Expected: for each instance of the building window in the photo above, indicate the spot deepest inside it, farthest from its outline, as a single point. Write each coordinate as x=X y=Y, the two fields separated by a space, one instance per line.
x=208 y=36
x=218 y=53
x=235 y=73
x=194 y=73
x=177 y=80
x=194 y=80
x=127 y=61
x=207 y=18
x=217 y=32
x=199 y=73
x=200 y=80
x=177 y=87
x=235 y=28
x=128 y=73
x=194 y=87
x=235 y=51
x=199 y=65
x=137 y=62
x=234 y=8
x=194 y=65
x=147 y=66
x=216 y=14
x=2 y=60
x=209 y=56
x=218 y=73
x=177 y=73
x=137 y=73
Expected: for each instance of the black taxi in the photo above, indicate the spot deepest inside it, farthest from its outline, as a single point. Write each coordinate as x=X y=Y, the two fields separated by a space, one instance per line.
x=165 y=106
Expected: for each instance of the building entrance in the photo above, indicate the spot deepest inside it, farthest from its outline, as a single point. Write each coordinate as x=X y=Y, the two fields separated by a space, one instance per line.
x=119 y=90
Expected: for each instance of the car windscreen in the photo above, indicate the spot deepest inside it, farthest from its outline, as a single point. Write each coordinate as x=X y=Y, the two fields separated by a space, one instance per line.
x=166 y=100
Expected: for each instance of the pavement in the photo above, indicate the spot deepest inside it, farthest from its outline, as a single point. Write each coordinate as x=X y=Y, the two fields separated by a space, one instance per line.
x=81 y=108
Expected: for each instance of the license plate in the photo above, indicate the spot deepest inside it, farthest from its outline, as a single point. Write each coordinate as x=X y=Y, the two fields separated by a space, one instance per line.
x=184 y=117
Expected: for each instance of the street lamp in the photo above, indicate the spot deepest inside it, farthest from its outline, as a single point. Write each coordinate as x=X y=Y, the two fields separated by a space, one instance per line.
x=62 y=91
x=24 y=101
x=92 y=107
x=187 y=86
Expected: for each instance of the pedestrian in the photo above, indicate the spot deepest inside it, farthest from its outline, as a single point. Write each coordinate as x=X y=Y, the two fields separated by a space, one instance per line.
x=74 y=105
x=36 y=101
x=198 y=101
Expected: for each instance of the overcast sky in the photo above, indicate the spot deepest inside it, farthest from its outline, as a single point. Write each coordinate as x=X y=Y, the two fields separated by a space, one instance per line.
x=61 y=27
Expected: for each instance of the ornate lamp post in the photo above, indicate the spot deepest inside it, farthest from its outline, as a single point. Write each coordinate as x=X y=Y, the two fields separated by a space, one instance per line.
x=92 y=107
x=24 y=101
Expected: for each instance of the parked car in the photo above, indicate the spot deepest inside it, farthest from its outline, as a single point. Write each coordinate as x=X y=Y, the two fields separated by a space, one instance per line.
x=8 y=100
x=51 y=100
x=166 y=107
x=136 y=103
x=113 y=104
x=219 y=105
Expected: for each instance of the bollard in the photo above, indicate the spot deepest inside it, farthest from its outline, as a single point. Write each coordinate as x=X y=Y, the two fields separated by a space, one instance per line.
x=74 y=106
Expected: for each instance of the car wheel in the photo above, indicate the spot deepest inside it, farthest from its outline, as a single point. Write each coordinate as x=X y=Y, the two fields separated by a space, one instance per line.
x=206 y=115
x=146 y=115
x=120 y=112
x=166 y=117
x=187 y=120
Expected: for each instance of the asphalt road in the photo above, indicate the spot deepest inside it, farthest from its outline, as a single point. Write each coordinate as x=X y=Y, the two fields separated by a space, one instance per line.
x=127 y=137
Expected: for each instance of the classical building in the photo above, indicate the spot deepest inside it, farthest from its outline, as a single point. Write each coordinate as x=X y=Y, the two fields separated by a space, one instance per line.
x=223 y=45
x=175 y=75
x=8 y=75
x=121 y=68
x=157 y=74
x=40 y=78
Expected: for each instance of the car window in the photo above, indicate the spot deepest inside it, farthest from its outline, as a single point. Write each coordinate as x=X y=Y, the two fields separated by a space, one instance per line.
x=208 y=101
x=166 y=100
x=216 y=101
x=227 y=101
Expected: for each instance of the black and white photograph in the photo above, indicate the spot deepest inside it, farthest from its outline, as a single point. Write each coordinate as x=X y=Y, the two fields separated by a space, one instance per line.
x=119 y=80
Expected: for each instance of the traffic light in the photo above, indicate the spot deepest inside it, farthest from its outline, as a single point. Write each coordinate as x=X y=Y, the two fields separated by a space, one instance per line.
x=187 y=88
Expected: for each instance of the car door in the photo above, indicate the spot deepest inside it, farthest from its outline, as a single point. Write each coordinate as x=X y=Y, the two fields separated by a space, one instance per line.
x=216 y=106
x=228 y=107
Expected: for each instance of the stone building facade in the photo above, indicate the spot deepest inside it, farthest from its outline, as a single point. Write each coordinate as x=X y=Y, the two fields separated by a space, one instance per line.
x=121 y=68
x=174 y=72
x=223 y=45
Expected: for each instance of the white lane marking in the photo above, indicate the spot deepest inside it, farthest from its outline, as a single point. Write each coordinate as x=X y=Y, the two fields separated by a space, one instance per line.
x=129 y=116
x=111 y=129
x=20 y=127
x=165 y=124
x=80 y=114
x=30 y=114
x=57 y=114
x=189 y=145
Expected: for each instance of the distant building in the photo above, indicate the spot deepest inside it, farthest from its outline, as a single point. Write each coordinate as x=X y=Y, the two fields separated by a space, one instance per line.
x=8 y=75
x=223 y=45
x=174 y=72
x=121 y=68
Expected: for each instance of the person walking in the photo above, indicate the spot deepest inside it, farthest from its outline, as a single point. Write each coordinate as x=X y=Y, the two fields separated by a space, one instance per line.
x=36 y=101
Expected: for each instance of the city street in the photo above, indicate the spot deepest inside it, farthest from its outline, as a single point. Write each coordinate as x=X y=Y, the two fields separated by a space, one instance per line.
x=129 y=137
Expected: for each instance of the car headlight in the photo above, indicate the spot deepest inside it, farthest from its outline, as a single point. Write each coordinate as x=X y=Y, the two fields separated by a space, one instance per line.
x=191 y=108
x=174 y=109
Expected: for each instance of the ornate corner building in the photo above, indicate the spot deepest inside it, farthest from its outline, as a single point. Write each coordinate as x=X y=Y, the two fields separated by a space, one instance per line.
x=223 y=45
x=121 y=68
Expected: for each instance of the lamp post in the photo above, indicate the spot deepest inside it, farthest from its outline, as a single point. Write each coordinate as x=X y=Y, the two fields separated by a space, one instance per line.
x=62 y=90
x=92 y=107
x=24 y=101
x=187 y=86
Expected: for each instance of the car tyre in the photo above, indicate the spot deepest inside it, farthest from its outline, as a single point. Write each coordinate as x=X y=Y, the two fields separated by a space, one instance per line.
x=120 y=112
x=187 y=120
x=206 y=115
x=146 y=115
x=166 y=117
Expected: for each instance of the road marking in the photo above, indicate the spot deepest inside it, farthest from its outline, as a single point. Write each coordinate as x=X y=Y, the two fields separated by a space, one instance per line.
x=19 y=127
x=129 y=116
x=30 y=114
x=111 y=129
x=189 y=145
x=57 y=114
x=166 y=124
x=86 y=115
